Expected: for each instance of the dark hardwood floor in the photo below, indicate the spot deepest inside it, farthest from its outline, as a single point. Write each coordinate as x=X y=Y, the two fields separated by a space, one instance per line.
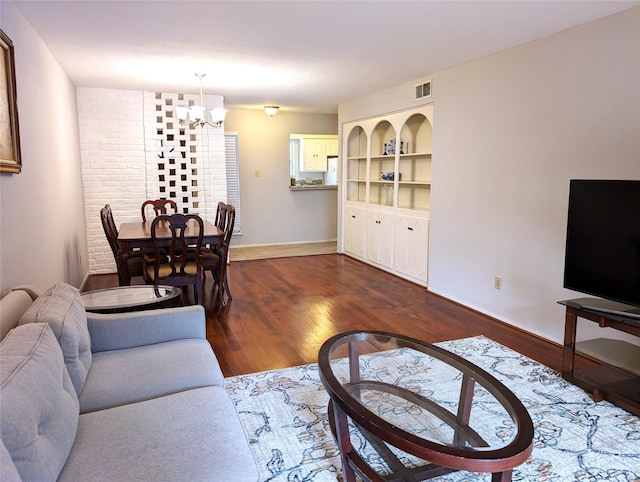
x=284 y=309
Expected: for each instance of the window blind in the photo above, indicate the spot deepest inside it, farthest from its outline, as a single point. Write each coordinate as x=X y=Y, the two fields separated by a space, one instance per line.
x=233 y=177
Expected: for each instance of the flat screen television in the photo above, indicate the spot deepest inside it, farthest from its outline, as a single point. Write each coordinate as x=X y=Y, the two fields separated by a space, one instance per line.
x=602 y=256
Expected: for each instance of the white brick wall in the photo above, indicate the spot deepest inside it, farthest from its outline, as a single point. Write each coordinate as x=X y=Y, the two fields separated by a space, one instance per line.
x=120 y=134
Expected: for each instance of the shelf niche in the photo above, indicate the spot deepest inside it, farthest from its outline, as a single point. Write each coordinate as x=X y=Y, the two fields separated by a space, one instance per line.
x=414 y=166
x=356 y=187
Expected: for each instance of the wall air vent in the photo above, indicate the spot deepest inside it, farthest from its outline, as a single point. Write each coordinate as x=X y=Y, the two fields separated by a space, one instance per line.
x=423 y=91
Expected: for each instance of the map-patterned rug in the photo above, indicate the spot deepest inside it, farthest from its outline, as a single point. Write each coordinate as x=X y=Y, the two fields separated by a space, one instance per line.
x=285 y=415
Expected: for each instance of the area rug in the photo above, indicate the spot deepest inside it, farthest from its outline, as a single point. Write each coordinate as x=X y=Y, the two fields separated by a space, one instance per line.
x=285 y=415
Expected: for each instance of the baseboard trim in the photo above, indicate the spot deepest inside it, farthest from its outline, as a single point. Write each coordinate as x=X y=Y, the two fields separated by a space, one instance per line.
x=293 y=243
x=494 y=317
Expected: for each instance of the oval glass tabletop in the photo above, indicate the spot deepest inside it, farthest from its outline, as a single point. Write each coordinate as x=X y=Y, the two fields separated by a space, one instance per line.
x=426 y=401
x=123 y=298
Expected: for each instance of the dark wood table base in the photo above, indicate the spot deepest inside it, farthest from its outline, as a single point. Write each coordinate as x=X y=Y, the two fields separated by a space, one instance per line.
x=382 y=431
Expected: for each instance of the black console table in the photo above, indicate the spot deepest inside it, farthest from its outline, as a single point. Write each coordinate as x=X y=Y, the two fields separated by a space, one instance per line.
x=604 y=378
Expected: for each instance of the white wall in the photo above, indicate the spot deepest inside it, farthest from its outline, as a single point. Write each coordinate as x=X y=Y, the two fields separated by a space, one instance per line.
x=271 y=213
x=42 y=230
x=112 y=154
x=510 y=130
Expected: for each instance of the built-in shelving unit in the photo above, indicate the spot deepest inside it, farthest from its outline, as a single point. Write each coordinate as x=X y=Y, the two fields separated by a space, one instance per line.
x=393 y=230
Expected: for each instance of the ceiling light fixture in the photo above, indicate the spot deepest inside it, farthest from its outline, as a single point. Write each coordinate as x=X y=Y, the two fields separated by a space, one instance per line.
x=271 y=110
x=196 y=114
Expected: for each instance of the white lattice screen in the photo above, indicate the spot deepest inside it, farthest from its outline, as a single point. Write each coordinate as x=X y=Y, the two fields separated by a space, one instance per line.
x=184 y=163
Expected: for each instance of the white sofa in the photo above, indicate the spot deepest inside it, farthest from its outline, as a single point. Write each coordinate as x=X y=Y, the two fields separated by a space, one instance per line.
x=125 y=397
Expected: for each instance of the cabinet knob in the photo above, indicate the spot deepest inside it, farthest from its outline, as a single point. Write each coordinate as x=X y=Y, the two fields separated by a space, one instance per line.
x=410 y=228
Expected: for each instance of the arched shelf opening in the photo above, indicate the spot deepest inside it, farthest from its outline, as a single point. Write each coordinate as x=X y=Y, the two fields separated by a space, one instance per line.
x=356 y=165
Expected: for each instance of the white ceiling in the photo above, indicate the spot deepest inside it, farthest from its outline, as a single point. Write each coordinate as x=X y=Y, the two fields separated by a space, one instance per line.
x=302 y=55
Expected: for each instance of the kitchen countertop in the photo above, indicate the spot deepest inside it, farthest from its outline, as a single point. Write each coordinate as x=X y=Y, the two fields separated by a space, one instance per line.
x=314 y=187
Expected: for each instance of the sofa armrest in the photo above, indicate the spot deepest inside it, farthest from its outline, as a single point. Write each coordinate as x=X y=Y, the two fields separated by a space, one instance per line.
x=31 y=290
x=128 y=330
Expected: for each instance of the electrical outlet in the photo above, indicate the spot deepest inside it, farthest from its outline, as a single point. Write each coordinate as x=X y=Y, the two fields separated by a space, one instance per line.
x=497 y=283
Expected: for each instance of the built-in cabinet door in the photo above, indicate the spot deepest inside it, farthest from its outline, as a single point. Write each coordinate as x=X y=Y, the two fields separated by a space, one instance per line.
x=371 y=236
x=332 y=147
x=315 y=155
x=411 y=247
x=379 y=237
x=354 y=219
x=386 y=239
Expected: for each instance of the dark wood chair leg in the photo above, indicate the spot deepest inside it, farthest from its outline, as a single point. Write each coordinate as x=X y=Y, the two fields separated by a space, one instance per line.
x=198 y=289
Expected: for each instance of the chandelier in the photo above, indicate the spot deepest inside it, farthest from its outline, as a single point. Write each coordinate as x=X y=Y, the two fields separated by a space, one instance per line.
x=196 y=114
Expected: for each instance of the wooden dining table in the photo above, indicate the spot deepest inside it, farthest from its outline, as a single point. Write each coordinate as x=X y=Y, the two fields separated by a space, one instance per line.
x=138 y=235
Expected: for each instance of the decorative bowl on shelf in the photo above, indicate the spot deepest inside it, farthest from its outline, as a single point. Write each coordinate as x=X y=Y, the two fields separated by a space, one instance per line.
x=386 y=176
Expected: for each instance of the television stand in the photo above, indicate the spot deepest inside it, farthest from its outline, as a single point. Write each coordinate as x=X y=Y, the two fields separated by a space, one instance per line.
x=608 y=306
x=606 y=376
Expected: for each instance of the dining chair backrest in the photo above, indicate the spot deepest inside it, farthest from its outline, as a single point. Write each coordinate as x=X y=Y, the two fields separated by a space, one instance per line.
x=180 y=261
x=110 y=229
x=160 y=206
x=229 y=223
x=220 y=215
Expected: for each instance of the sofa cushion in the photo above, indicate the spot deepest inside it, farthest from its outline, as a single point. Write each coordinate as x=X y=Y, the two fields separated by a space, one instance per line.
x=191 y=435
x=61 y=306
x=8 y=470
x=39 y=413
x=151 y=371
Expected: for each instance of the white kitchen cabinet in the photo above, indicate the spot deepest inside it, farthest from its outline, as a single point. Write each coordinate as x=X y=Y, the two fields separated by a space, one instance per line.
x=332 y=147
x=314 y=157
x=379 y=237
x=411 y=247
x=354 y=222
x=315 y=150
x=386 y=171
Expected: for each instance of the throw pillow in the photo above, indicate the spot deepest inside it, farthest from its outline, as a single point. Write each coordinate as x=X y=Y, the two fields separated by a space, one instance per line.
x=62 y=308
x=39 y=415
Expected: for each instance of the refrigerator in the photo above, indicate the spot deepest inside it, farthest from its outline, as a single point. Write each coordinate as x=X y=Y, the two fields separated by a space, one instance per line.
x=331 y=176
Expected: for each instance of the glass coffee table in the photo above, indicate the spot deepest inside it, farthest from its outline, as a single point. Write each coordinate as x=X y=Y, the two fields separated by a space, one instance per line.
x=402 y=409
x=131 y=298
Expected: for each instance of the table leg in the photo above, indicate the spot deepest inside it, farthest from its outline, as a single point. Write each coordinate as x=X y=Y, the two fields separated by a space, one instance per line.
x=343 y=440
x=464 y=408
x=354 y=362
x=502 y=476
x=568 y=351
x=354 y=368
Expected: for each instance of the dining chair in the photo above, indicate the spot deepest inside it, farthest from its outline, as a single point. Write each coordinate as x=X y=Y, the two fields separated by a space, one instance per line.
x=173 y=264
x=134 y=258
x=215 y=258
x=220 y=215
x=159 y=207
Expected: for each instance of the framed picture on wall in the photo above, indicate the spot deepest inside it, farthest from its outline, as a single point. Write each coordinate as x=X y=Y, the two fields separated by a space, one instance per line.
x=10 y=160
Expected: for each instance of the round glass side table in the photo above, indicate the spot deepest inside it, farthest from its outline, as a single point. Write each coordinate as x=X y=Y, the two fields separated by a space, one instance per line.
x=131 y=298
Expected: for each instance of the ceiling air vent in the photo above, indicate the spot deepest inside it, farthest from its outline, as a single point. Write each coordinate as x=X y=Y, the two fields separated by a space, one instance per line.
x=423 y=91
